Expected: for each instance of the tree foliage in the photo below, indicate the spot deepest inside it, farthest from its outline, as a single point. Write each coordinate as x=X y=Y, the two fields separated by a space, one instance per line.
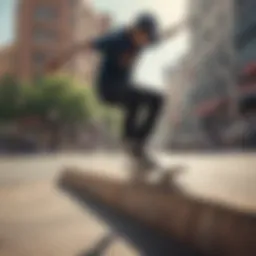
x=10 y=98
x=58 y=99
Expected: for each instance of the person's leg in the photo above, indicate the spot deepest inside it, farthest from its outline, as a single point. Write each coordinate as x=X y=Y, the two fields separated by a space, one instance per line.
x=131 y=104
x=153 y=103
x=137 y=128
x=130 y=108
x=149 y=104
x=129 y=101
x=124 y=100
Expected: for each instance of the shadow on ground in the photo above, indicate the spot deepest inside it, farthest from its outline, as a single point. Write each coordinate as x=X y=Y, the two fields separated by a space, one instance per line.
x=147 y=241
x=100 y=248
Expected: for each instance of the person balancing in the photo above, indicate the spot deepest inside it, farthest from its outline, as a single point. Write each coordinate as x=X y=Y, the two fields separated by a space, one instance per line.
x=119 y=50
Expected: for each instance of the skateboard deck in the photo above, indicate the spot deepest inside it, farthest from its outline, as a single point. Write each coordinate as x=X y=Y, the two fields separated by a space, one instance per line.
x=158 y=176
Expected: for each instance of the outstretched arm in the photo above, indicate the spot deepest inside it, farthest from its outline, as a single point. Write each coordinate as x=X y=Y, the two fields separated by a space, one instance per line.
x=102 y=44
x=173 y=31
x=58 y=61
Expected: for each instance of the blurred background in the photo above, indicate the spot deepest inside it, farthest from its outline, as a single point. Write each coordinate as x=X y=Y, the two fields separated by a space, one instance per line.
x=209 y=75
x=47 y=122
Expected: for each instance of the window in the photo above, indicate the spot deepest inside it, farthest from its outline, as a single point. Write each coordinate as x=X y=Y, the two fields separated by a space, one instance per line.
x=222 y=18
x=39 y=59
x=207 y=4
x=45 y=13
x=44 y=35
x=208 y=35
x=72 y=2
x=196 y=24
x=73 y=11
x=223 y=55
x=221 y=86
x=210 y=32
x=72 y=19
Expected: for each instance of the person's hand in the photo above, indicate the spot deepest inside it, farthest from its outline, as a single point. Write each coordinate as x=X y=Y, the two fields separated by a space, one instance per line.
x=175 y=29
x=184 y=23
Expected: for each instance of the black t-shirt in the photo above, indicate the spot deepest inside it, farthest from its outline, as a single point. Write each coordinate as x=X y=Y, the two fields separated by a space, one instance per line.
x=118 y=56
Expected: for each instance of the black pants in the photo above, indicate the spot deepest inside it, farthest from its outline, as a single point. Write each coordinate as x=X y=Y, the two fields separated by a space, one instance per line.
x=141 y=109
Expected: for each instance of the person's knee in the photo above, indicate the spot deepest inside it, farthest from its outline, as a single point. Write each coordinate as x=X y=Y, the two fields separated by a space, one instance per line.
x=158 y=102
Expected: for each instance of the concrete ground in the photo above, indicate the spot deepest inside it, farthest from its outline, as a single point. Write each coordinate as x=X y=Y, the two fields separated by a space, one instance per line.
x=38 y=219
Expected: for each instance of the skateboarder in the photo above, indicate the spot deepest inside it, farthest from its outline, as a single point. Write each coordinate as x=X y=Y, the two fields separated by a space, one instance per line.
x=119 y=50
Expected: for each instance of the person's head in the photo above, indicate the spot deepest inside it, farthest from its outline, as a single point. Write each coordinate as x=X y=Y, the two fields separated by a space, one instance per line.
x=144 y=30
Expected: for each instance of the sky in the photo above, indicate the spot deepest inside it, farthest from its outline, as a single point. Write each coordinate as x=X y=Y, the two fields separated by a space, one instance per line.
x=152 y=64
x=6 y=21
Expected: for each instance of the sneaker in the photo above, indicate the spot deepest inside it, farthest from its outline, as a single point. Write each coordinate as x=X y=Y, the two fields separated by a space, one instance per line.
x=146 y=162
x=142 y=161
x=129 y=148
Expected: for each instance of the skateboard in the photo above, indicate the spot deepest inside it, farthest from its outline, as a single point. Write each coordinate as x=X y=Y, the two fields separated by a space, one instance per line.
x=158 y=175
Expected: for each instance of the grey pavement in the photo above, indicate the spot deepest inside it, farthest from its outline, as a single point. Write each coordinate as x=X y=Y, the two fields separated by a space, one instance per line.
x=38 y=219
x=228 y=178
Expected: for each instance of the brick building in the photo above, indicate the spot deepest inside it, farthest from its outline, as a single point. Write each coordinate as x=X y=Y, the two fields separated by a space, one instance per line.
x=87 y=25
x=6 y=60
x=213 y=94
x=213 y=48
x=46 y=27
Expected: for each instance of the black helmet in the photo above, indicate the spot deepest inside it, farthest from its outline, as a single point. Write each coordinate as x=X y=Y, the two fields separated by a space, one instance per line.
x=148 y=23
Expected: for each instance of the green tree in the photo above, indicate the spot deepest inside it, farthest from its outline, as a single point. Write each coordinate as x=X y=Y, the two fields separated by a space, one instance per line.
x=59 y=99
x=56 y=98
x=11 y=99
